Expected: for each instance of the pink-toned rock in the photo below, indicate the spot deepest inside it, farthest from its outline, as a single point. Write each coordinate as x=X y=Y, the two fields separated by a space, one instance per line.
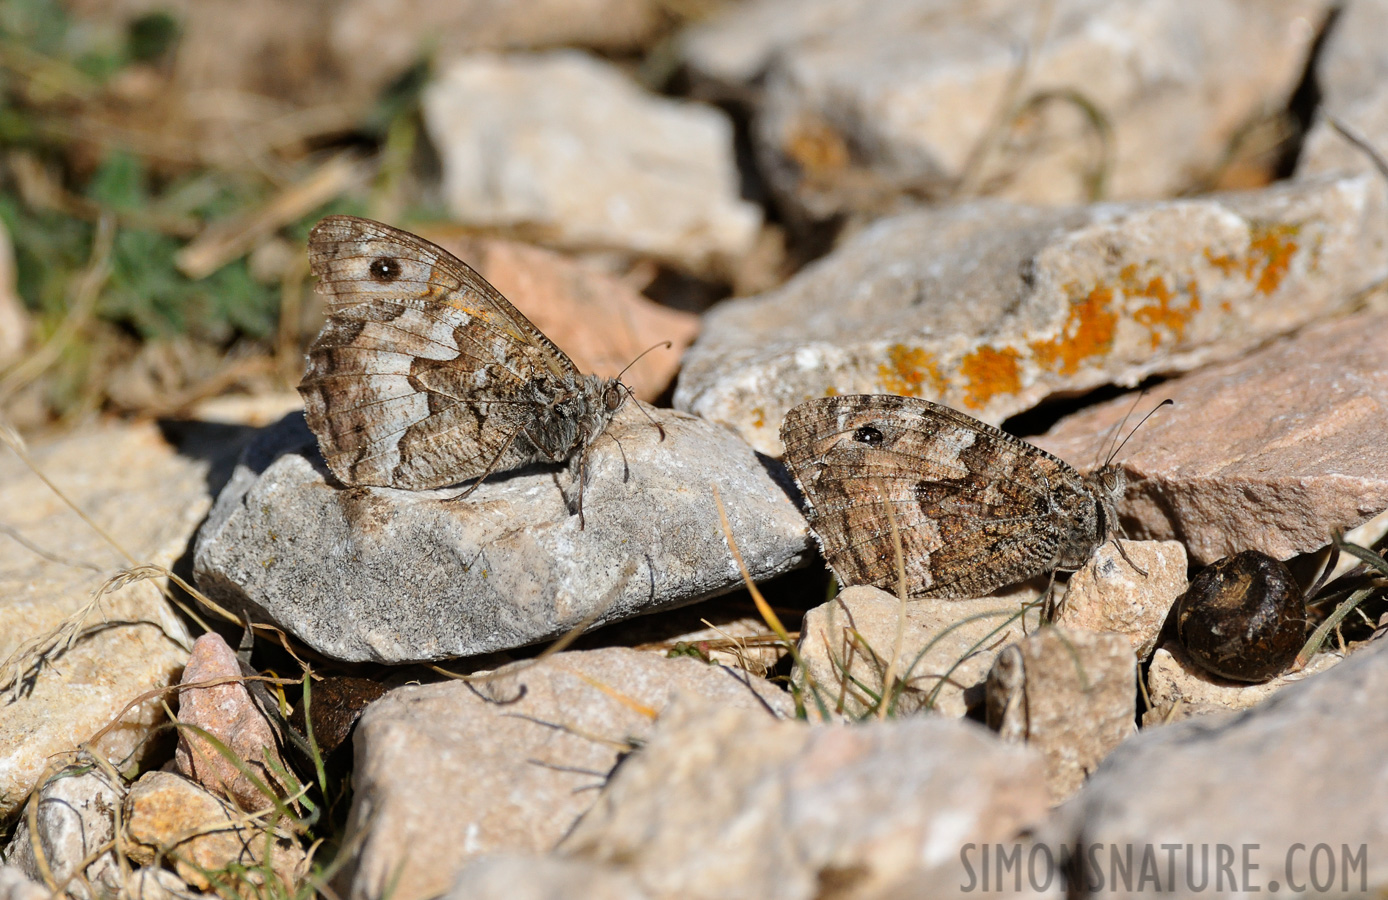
x=601 y=322
x=1108 y=594
x=1179 y=688
x=227 y=712
x=991 y=307
x=1269 y=453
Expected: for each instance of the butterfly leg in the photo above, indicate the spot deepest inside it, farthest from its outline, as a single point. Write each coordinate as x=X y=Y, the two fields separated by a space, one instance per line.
x=491 y=466
x=1124 y=553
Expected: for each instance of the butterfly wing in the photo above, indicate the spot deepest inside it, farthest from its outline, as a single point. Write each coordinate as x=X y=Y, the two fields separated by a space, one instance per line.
x=424 y=375
x=976 y=508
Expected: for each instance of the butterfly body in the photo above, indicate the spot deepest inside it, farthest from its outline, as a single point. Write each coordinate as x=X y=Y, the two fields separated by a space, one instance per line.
x=976 y=508
x=425 y=376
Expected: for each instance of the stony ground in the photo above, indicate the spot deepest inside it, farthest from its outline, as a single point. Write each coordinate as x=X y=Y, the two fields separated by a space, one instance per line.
x=1012 y=210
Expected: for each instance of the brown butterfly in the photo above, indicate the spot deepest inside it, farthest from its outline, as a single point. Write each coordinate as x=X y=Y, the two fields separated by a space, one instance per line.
x=976 y=508
x=425 y=376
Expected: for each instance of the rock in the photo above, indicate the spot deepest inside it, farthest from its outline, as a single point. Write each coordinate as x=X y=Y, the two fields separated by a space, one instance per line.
x=514 y=876
x=15 y=885
x=991 y=307
x=136 y=487
x=227 y=712
x=866 y=101
x=398 y=576
x=1108 y=595
x=1178 y=688
x=731 y=803
x=601 y=322
x=151 y=883
x=375 y=41
x=1278 y=787
x=564 y=147
x=169 y=818
x=947 y=649
x=1070 y=693
x=1269 y=453
x=449 y=772
x=727 y=631
x=75 y=826
x=1351 y=73
x=1243 y=617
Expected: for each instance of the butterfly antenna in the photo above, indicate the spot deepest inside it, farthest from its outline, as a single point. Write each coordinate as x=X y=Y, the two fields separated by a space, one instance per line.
x=1167 y=402
x=649 y=417
x=666 y=344
x=1112 y=437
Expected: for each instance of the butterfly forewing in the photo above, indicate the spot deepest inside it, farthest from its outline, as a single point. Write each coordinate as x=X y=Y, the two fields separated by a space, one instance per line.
x=424 y=375
x=976 y=508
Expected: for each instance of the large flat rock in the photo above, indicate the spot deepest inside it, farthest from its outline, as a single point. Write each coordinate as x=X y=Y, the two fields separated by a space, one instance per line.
x=401 y=576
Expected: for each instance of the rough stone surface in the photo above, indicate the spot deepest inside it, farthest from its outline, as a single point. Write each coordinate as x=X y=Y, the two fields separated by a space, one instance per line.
x=1109 y=595
x=1305 y=768
x=990 y=307
x=448 y=772
x=1352 y=76
x=947 y=648
x=14 y=319
x=600 y=321
x=15 y=885
x=726 y=630
x=728 y=803
x=151 y=883
x=1179 y=688
x=168 y=817
x=227 y=712
x=565 y=148
x=134 y=485
x=75 y=819
x=397 y=576
x=1068 y=692
x=514 y=876
x=1269 y=453
x=864 y=101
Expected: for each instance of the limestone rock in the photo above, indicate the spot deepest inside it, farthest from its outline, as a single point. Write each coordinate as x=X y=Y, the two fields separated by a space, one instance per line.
x=513 y=876
x=1109 y=595
x=1302 y=771
x=947 y=648
x=1352 y=76
x=565 y=148
x=75 y=819
x=15 y=885
x=227 y=712
x=397 y=576
x=449 y=772
x=132 y=483
x=1068 y=692
x=731 y=803
x=168 y=817
x=1269 y=453
x=1180 y=689
x=991 y=307
x=867 y=100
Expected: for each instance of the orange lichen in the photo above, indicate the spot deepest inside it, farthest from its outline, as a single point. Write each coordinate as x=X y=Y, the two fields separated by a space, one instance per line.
x=1087 y=332
x=1271 y=248
x=989 y=372
x=816 y=147
x=760 y=420
x=1163 y=318
x=831 y=391
x=909 y=371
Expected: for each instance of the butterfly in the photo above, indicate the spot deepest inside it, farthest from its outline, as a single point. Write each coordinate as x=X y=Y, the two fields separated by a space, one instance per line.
x=976 y=508
x=424 y=376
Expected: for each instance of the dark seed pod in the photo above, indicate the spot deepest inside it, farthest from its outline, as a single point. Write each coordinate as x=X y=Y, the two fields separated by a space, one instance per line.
x=1243 y=617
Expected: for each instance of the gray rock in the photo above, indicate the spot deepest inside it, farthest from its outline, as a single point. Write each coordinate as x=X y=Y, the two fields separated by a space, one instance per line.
x=514 y=876
x=1068 y=692
x=1179 y=688
x=565 y=148
x=76 y=817
x=152 y=883
x=1108 y=594
x=947 y=648
x=151 y=498
x=1352 y=76
x=398 y=576
x=1296 y=787
x=15 y=885
x=726 y=803
x=990 y=307
x=446 y=773
x=1272 y=452
x=866 y=100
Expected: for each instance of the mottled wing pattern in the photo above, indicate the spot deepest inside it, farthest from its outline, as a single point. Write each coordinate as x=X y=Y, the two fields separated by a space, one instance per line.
x=977 y=509
x=423 y=373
